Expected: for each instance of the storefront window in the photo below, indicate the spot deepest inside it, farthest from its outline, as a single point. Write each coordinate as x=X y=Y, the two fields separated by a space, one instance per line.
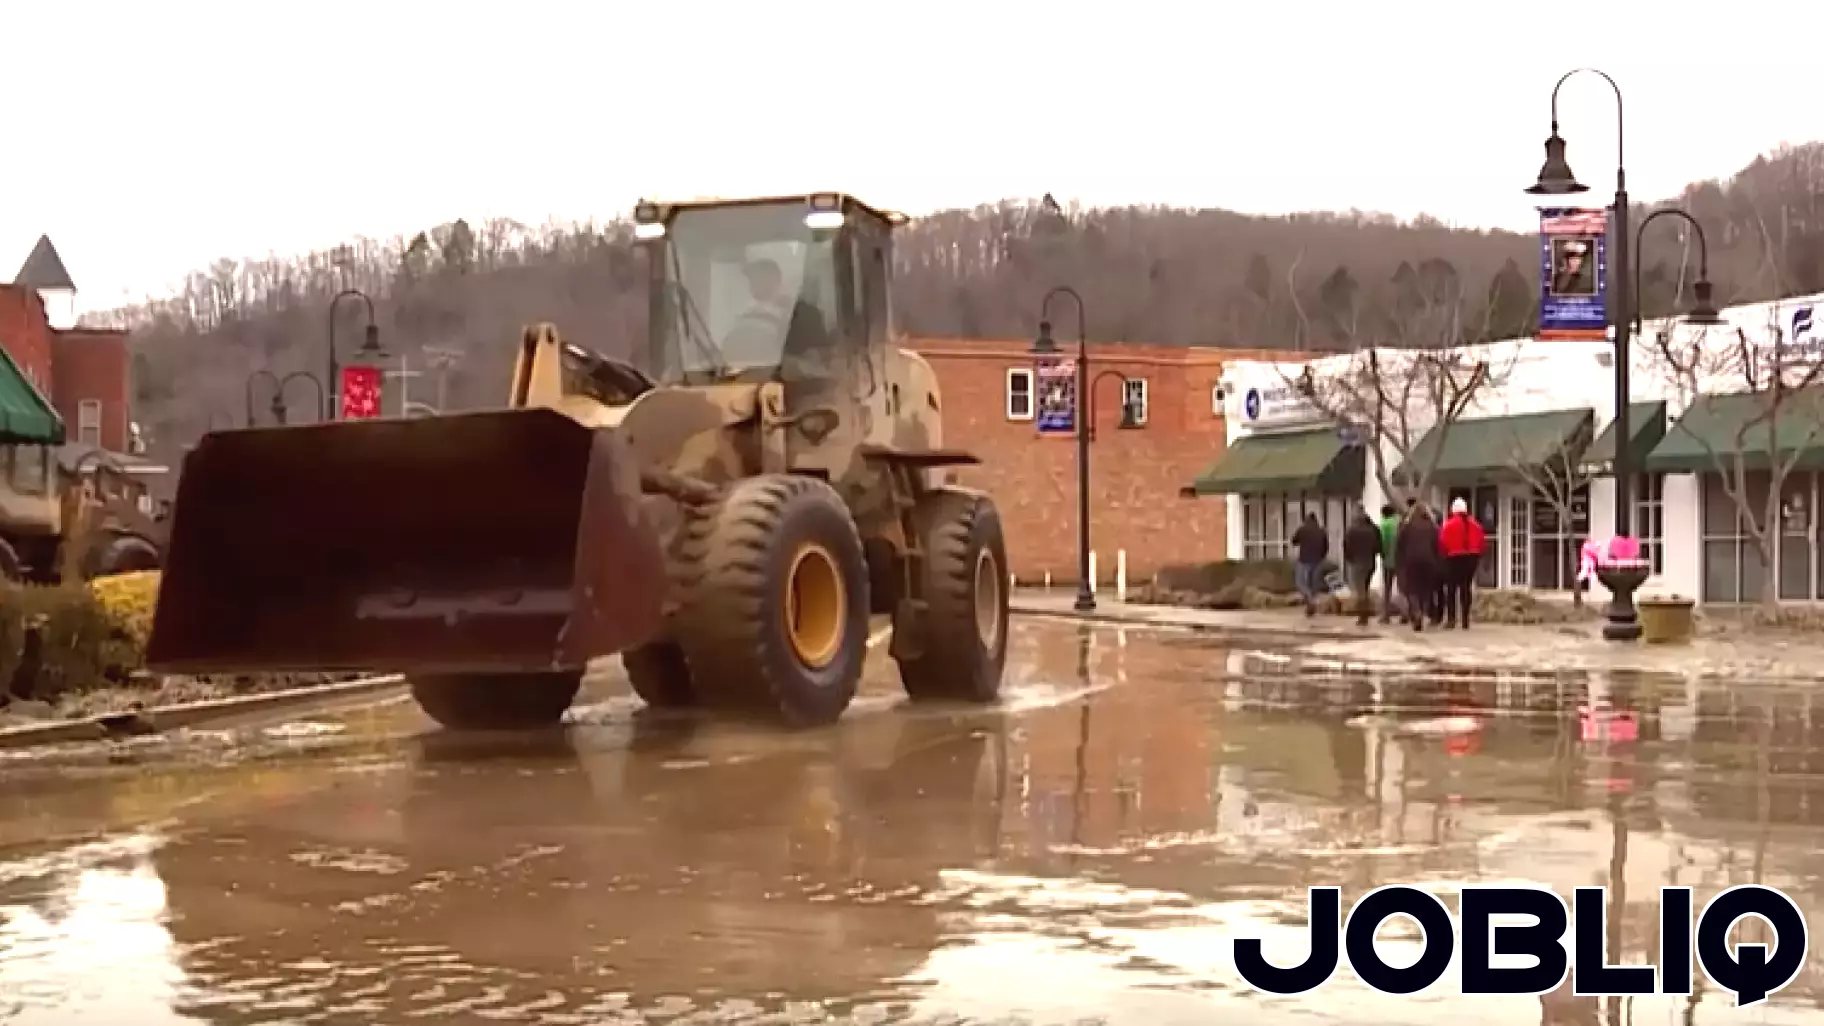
x=1650 y=518
x=1557 y=539
x=1733 y=569
x=1519 y=550
x=1269 y=521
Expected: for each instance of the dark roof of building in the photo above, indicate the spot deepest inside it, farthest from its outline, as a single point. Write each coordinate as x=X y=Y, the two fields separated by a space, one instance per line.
x=44 y=269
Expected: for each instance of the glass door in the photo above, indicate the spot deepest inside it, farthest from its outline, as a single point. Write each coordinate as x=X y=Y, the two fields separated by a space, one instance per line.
x=1485 y=503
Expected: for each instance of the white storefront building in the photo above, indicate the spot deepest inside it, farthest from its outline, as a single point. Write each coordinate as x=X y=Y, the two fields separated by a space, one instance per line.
x=1530 y=453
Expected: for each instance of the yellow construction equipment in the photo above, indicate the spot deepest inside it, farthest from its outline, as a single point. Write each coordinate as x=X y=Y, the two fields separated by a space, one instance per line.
x=725 y=511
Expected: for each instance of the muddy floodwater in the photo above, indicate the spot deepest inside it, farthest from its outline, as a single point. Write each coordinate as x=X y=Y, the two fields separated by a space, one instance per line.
x=1086 y=852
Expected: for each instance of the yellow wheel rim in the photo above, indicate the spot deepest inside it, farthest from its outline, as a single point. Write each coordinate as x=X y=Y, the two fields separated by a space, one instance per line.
x=815 y=606
x=988 y=599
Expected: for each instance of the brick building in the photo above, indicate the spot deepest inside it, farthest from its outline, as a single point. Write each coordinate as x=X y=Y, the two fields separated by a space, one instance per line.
x=84 y=375
x=1136 y=475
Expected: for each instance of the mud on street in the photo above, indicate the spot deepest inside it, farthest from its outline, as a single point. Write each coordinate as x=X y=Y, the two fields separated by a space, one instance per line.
x=1085 y=851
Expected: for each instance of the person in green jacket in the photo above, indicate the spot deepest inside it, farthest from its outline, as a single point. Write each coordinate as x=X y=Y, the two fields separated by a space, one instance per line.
x=1390 y=529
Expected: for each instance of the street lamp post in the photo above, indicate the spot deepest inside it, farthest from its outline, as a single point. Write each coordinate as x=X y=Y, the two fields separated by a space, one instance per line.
x=1556 y=179
x=370 y=349
x=279 y=384
x=1083 y=412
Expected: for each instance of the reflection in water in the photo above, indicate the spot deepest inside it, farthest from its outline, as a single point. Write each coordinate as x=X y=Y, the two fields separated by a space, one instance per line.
x=1090 y=855
x=88 y=942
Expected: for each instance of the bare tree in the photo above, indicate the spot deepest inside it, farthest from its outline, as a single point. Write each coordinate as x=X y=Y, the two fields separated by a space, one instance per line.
x=1559 y=479
x=1763 y=395
x=1418 y=357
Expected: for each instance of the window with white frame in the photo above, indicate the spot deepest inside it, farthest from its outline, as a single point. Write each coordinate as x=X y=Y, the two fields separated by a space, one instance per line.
x=1019 y=393
x=1650 y=519
x=1269 y=521
x=1133 y=397
x=88 y=422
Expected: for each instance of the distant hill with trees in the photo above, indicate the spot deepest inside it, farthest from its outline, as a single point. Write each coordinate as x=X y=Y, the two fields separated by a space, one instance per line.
x=459 y=293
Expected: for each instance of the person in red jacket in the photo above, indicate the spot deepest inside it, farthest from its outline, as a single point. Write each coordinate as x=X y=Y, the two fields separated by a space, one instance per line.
x=1460 y=541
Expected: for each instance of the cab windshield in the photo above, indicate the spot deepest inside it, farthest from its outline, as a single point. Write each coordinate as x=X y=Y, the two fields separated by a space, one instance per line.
x=743 y=287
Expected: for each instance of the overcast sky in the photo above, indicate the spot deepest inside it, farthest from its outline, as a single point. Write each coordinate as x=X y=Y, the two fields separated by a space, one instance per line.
x=150 y=138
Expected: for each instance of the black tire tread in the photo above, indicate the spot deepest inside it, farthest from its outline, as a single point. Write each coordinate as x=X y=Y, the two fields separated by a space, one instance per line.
x=951 y=665
x=511 y=701
x=660 y=676
x=726 y=594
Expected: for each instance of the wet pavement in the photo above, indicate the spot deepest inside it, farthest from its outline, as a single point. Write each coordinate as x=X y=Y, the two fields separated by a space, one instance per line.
x=1086 y=852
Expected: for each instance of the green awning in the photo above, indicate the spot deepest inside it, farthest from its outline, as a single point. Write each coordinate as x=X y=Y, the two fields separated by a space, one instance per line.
x=1708 y=437
x=1491 y=448
x=1646 y=427
x=1314 y=461
x=25 y=417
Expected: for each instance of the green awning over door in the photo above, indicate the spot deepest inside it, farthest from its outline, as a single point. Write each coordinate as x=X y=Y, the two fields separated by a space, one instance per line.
x=1313 y=461
x=25 y=417
x=1646 y=427
x=1707 y=438
x=1488 y=448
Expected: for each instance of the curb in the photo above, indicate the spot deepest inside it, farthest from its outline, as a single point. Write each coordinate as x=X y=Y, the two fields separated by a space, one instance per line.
x=171 y=717
x=1118 y=620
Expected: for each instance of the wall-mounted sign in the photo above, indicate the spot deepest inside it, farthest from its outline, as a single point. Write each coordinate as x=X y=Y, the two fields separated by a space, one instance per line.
x=1281 y=404
x=1056 y=381
x=1573 y=273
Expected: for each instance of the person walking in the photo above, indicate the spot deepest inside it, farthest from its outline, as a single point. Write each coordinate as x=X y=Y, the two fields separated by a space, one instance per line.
x=1390 y=529
x=1361 y=549
x=1417 y=563
x=1312 y=545
x=1461 y=541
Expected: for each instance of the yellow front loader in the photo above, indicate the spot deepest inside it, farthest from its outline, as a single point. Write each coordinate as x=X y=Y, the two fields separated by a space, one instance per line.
x=725 y=512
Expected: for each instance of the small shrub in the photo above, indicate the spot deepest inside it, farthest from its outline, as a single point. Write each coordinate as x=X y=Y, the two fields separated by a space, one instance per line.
x=81 y=646
x=128 y=600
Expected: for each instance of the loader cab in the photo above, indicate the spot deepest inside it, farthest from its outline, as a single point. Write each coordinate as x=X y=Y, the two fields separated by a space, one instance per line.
x=766 y=290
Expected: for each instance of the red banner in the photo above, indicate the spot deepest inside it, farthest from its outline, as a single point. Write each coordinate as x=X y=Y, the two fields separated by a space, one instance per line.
x=360 y=393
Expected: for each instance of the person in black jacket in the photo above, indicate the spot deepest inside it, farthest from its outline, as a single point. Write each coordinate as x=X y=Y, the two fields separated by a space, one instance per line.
x=1361 y=548
x=1417 y=564
x=1312 y=546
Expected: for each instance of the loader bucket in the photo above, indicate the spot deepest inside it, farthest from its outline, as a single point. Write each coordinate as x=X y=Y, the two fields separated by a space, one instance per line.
x=480 y=542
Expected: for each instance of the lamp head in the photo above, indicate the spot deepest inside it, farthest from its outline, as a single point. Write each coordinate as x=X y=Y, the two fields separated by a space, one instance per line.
x=1045 y=345
x=1703 y=307
x=1555 y=177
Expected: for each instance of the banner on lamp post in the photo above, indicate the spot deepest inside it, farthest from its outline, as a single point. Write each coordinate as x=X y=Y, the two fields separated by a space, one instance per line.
x=360 y=393
x=1057 y=388
x=1573 y=273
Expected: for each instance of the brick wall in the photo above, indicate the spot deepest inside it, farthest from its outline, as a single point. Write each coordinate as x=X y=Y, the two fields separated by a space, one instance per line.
x=26 y=335
x=1135 y=475
x=90 y=363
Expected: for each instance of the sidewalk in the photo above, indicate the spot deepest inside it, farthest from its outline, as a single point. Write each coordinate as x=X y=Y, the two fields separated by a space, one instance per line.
x=1745 y=654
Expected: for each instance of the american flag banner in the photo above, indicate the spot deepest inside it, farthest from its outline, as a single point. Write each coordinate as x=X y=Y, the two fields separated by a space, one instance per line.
x=360 y=393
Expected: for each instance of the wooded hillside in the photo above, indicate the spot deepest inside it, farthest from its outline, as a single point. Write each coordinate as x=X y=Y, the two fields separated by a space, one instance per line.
x=1159 y=274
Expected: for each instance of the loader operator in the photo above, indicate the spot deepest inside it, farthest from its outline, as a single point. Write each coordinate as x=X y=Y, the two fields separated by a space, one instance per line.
x=778 y=317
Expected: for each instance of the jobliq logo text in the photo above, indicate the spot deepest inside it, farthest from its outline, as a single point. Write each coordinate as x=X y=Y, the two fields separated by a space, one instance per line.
x=1751 y=971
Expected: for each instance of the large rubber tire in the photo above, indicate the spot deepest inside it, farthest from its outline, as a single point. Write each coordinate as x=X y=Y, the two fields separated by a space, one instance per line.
x=776 y=600
x=126 y=554
x=660 y=676
x=497 y=701
x=964 y=635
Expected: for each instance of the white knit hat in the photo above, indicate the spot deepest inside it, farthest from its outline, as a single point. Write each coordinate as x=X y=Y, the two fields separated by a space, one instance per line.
x=1457 y=505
